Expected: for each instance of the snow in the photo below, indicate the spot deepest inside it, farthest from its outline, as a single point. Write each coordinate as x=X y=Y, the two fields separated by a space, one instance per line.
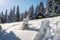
x=25 y=35
x=16 y=27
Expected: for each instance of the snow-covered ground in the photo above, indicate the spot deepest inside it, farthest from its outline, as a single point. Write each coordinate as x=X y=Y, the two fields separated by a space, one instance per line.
x=34 y=25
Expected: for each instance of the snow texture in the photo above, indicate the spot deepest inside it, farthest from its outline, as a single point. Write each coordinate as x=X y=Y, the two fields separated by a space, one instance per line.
x=40 y=29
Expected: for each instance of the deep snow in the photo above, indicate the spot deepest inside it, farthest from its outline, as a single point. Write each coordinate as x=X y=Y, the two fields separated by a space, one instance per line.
x=35 y=25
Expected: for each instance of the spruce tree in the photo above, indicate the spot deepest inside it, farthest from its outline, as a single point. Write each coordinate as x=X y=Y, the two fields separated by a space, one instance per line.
x=10 y=16
x=13 y=14
x=6 y=16
x=36 y=9
x=31 y=12
x=41 y=7
x=2 y=17
x=17 y=14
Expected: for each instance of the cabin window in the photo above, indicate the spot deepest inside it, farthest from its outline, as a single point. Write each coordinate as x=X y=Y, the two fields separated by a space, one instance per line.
x=39 y=17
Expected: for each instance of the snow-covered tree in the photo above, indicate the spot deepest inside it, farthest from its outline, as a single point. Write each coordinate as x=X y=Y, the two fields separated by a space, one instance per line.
x=52 y=8
x=26 y=23
x=36 y=9
x=2 y=17
x=13 y=14
x=6 y=16
x=17 y=14
x=10 y=16
x=31 y=12
x=41 y=7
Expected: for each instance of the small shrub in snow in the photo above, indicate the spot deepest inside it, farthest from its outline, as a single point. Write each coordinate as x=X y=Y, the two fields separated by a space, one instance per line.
x=25 y=23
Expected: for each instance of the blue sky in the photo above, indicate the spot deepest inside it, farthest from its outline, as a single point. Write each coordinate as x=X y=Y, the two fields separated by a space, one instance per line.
x=23 y=4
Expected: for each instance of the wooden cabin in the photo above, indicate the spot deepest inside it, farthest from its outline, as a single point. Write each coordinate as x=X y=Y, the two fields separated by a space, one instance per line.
x=40 y=15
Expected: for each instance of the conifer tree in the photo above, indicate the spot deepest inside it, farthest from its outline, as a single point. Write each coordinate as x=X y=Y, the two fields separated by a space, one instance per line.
x=13 y=14
x=17 y=14
x=31 y=12
x=36 y=9
x=41 y=7
x=6 y=16
x=10 y=16
x=2 y=17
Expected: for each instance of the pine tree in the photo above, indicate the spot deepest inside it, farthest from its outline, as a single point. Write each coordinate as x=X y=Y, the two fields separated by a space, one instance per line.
x=10 y=16
x=6 y=16
x=41 y=7
x=13 y=14
x=2 y=17
x=31 y=12
x=52 y=8
x=37 y=9
x=17 y=14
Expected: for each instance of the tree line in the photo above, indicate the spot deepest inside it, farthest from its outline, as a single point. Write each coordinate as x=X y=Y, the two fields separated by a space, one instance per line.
x=14 y=14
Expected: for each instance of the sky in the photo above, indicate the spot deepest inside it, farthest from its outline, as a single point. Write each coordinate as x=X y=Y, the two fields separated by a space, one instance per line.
x=23 y=4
